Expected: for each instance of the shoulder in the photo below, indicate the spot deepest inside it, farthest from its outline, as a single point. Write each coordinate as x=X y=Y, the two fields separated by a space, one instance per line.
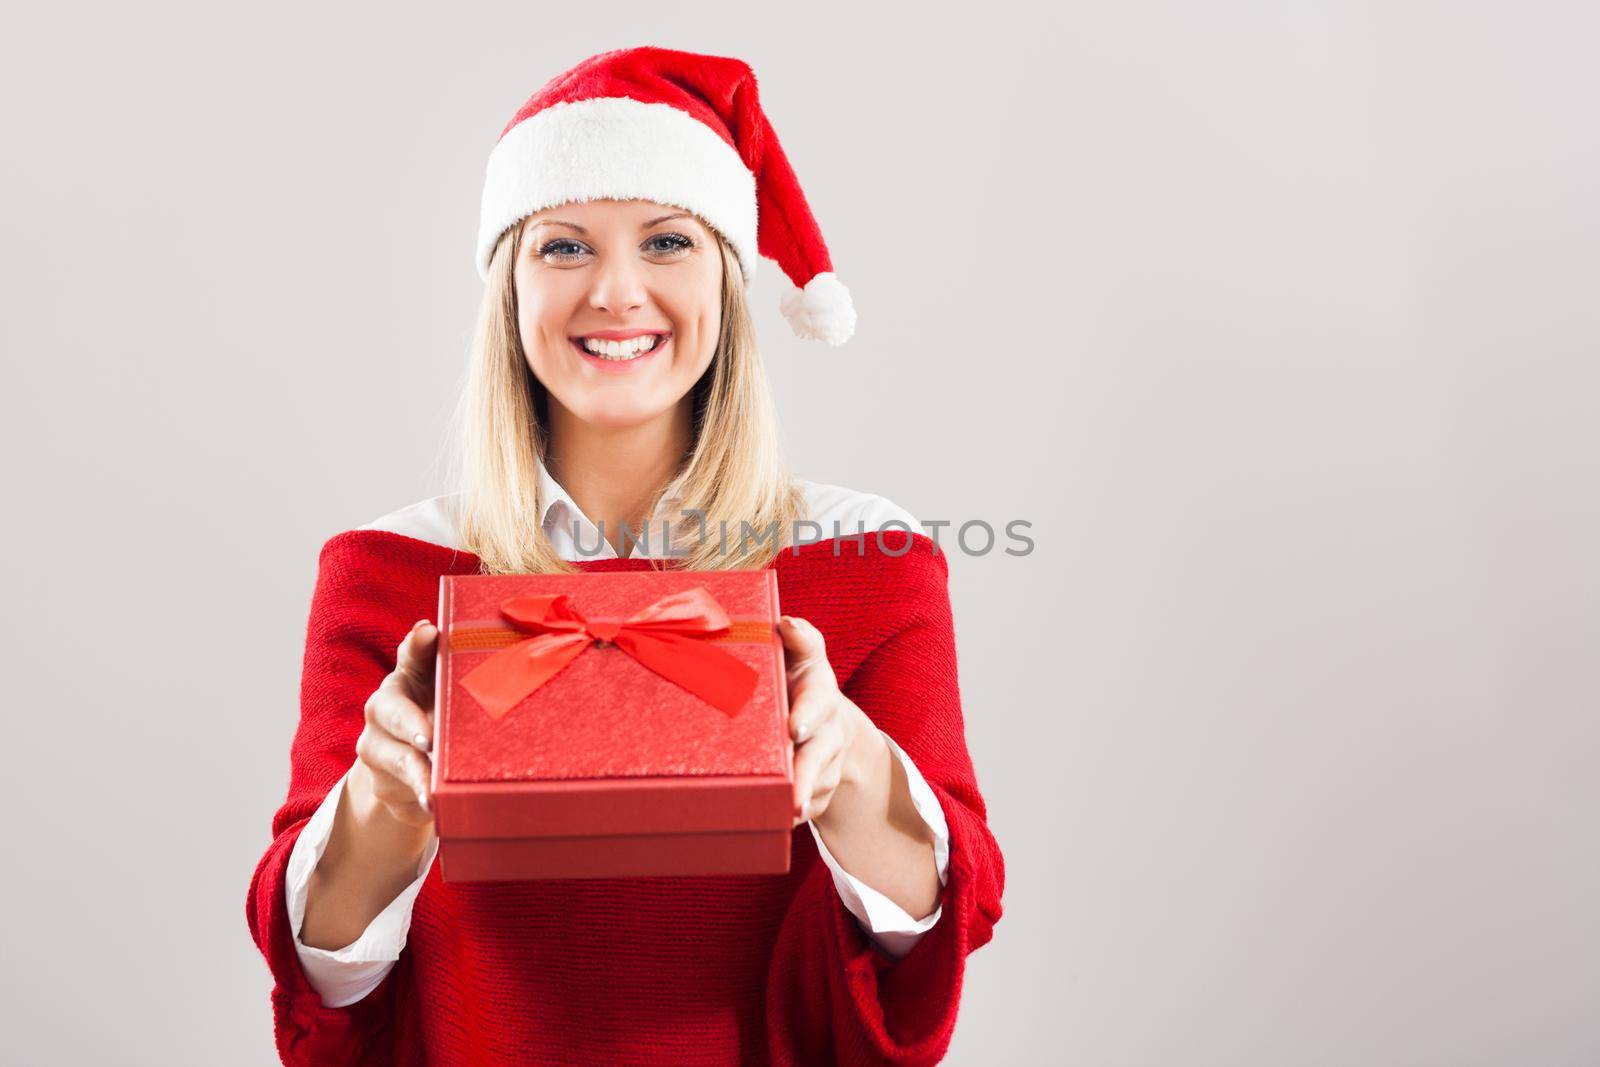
x=853 y=509
x=860 y=591
x=901 y=557
x=432 y=520
x=359 y=574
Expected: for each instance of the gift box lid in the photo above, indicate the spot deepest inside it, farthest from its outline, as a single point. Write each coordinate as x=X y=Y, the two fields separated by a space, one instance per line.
x=606 y=745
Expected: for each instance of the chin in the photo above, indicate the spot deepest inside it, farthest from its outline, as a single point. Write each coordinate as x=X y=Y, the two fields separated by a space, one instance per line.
x=615 y=416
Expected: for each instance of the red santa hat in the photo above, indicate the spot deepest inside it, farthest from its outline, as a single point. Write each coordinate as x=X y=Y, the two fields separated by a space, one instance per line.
x=680 y=129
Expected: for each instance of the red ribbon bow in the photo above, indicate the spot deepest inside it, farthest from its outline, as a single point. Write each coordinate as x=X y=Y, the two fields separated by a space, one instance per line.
x=671 y=637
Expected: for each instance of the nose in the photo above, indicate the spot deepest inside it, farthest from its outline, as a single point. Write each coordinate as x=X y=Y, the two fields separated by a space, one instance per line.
x=618 y=286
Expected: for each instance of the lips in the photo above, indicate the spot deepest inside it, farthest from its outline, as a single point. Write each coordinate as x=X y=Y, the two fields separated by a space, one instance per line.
x=620 y=365
x=620 y=335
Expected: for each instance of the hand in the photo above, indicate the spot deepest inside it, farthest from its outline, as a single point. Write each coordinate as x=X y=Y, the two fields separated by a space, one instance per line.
x=826 y=726
x=392 y=752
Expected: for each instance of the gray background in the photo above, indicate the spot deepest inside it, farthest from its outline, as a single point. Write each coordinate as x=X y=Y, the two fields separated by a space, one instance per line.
x=1278 y=321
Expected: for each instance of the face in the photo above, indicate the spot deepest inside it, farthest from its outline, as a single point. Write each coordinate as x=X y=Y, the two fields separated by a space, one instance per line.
x=612 y=275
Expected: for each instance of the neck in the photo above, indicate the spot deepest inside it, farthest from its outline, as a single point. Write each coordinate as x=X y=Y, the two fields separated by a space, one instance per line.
x=611 y=473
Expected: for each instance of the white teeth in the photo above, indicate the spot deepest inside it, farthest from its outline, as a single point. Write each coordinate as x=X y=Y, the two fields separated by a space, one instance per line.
x=635 y=346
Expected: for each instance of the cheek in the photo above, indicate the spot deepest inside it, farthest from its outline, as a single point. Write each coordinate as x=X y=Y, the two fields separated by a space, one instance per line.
x=543 y=313
x=695 y=304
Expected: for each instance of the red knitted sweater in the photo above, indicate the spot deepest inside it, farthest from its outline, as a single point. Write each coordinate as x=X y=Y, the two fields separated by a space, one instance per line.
x=716 y=970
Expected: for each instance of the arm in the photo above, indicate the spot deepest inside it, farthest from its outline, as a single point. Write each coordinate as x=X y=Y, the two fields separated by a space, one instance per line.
x=831 y=994
x=360 y=609
x=889 y=925
x=343 y=976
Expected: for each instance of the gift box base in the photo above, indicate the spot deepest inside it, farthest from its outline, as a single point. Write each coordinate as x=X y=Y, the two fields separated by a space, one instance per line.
x=614 y=856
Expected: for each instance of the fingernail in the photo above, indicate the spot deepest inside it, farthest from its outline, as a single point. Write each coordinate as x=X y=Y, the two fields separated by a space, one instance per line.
x=421 y=741
x=805 y=811
x=422 y=798
x=804 y=731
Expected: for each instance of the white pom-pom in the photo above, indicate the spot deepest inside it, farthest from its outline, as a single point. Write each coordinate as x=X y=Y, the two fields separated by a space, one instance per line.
x=822 y=311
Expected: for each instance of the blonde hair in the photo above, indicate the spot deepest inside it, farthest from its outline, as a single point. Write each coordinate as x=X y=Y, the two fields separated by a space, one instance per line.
x=734 y=470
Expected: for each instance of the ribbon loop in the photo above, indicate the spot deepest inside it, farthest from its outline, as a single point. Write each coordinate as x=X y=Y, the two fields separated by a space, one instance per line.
x=670 y=637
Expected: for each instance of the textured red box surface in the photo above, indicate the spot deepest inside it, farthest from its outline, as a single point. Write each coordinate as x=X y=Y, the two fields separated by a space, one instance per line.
x=609 y=769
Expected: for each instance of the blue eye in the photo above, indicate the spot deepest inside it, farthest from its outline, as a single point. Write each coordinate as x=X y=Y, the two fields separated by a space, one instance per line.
x=548 y=249
x=676 y=242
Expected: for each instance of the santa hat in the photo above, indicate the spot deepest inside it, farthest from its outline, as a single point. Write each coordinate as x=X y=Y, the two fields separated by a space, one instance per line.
x=680 y=129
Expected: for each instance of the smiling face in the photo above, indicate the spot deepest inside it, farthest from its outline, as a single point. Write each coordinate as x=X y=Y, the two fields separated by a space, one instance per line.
x=619 y=306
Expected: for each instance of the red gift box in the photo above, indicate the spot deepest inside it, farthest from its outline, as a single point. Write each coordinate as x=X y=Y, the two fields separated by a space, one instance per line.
x=611 y=724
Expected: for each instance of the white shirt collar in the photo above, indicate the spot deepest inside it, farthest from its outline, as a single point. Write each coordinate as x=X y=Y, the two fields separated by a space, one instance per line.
x=560 y=512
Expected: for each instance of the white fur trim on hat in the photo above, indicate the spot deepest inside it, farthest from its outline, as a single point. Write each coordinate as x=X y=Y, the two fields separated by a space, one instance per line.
x=618 y=149
x=822 y=311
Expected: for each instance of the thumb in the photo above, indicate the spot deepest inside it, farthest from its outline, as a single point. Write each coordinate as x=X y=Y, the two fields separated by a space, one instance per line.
x=802 y=641
x=416 y=659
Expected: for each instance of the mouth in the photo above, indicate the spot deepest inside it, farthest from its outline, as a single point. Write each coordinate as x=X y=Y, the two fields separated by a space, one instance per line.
x=614 y=354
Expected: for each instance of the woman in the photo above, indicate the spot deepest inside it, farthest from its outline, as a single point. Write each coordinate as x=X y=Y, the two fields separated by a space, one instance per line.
x=616 y=387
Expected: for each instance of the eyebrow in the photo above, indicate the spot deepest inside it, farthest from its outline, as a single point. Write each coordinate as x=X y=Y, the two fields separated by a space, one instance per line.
x=580 y=229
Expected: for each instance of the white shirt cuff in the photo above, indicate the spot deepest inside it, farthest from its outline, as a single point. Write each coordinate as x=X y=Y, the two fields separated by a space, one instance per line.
x=886 y=922
x=343 y=976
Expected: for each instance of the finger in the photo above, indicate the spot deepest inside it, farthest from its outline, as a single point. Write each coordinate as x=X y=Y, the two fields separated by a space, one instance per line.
x=804 y=648
x=395 y=763
x=819 y=801
x=414 y=661
x=821 y=790
x=813 y=688
x=810 y=761
x=389 y=709
x=811 y=706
